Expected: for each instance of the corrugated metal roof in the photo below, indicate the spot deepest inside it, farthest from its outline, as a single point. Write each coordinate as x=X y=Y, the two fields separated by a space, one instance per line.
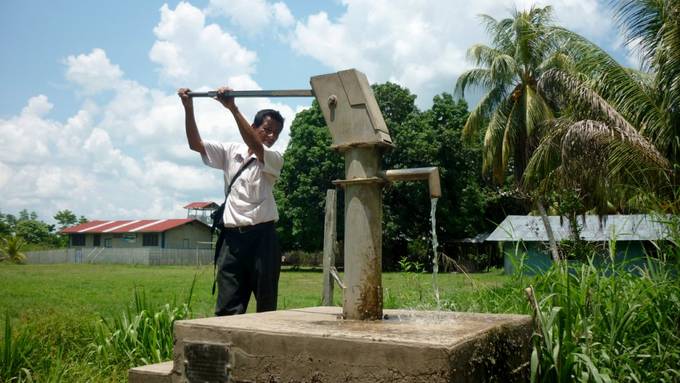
x=201 y=205
x=634 y=227
x=129 y=226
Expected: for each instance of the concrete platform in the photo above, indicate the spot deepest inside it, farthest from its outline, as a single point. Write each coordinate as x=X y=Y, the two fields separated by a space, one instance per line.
x=315 y=345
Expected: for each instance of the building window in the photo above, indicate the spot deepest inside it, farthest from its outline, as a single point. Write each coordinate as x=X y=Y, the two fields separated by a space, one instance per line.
x=96 y=240
x=107 y=242
x=185 y=243
x=77 y=239
x=150 y=239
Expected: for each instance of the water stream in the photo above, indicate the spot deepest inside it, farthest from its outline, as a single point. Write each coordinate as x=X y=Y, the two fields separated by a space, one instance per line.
x=435 y=245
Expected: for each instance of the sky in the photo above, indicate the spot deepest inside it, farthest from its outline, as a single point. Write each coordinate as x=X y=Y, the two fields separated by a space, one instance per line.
x=90 y=120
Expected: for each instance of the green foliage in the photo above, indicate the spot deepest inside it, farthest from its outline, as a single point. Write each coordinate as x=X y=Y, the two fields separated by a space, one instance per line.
x=15 y=352
x=409 y=266
x=10 y=249
x=65 y=218
x=6 y=224
x=33 y=231
x=602 y=325
x=513 y=108
x=651 y=28
x=37 y=234
x=429 y=138
x=309 y=168
x=141 y=335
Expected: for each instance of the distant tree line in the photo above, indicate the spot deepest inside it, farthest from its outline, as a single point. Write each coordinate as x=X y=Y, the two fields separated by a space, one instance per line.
x=33 y=232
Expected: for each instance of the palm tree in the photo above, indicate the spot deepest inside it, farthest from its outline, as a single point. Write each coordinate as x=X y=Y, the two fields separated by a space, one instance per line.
x=652 y=27
x=11 y=249
x=514 y=109
x=617 y=126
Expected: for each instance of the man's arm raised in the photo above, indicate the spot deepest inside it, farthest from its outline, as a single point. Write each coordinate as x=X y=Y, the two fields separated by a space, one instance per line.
x=193 y=137
x=248 y=134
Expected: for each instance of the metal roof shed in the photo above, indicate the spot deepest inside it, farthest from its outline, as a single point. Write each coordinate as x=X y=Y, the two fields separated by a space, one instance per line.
x=629 y=231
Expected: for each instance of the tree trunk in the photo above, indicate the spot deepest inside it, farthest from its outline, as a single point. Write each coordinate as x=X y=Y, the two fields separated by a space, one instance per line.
x=548 y=230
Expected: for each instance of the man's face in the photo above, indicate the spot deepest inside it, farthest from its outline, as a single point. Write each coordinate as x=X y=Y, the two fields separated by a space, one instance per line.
x=268 y=131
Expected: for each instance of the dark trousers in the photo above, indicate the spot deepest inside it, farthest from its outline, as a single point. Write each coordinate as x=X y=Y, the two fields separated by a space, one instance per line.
x=249 y=262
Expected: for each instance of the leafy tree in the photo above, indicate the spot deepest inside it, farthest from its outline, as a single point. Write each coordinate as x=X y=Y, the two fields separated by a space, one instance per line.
x=309 y=168
x=10 y=249
x=33 y=231
x=82 y=220
x=24 y=215
x=5 y=226
x=430 y=138
x=65 y=218
x=11 y=221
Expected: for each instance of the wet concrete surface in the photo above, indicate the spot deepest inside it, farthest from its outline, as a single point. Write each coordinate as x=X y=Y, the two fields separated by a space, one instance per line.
x=316 y=345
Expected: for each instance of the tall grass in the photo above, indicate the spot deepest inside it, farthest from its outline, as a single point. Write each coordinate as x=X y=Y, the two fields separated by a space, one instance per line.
x=142 y=334
x=600 y=324
x=15 y=353
x=597 y=321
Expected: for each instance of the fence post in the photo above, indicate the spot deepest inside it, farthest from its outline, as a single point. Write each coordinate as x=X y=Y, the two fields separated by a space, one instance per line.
x=329 y=246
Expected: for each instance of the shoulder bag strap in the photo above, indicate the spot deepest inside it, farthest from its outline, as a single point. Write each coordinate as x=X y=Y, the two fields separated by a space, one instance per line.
x=220 y=239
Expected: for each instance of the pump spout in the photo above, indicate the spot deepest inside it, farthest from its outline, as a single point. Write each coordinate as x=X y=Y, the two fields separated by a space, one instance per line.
x=431 y=174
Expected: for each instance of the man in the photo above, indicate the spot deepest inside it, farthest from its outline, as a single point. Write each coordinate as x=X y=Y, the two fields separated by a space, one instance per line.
x=250 y=261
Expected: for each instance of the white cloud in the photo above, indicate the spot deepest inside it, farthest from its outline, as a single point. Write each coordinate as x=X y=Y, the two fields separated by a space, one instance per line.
x=93 y=72
x=125 y=155
x=193 y=54
x=5 y=174
x=38 y=106
x=417 y=43
x=253 y=16
x=24 y=138
x=282 y=14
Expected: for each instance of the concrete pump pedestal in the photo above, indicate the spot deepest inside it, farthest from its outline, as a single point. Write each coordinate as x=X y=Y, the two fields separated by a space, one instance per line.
x=316 y=345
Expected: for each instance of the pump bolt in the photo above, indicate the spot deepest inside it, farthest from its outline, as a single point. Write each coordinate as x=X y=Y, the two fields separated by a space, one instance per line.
x=332 y=101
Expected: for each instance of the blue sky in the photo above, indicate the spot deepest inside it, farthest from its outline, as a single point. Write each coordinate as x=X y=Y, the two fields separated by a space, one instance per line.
x=90 y=121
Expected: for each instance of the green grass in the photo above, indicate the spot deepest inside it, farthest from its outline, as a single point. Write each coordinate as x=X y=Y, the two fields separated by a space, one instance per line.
x=596 y=325
x=87 y=292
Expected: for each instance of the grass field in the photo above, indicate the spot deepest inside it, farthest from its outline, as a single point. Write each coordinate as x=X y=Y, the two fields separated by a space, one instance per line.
x=59 y=306
x=596 y=324
x=86 y=292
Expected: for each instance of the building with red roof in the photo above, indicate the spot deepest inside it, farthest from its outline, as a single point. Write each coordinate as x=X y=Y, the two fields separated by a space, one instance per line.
x=181 y=233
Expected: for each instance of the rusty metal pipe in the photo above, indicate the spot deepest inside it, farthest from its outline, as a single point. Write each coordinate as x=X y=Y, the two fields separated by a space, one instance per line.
x=430 y=174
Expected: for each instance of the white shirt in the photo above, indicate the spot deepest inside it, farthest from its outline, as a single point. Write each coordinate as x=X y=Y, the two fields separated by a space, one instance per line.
x=251 y=200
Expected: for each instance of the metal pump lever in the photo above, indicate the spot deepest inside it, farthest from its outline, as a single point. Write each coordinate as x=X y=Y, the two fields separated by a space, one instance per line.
x=257 y=93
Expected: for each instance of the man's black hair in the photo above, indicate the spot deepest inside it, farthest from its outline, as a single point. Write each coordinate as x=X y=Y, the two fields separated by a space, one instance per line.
x=273 y=114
